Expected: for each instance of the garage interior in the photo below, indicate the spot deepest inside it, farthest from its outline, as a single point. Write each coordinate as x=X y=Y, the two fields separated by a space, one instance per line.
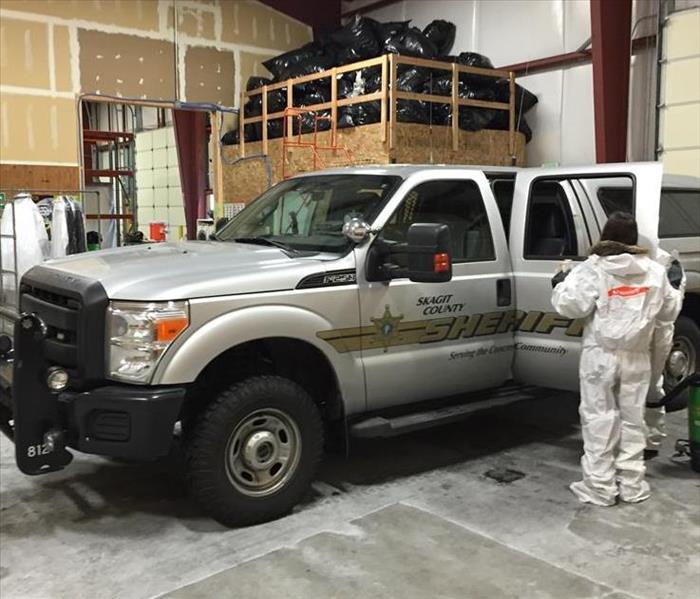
x=154 y=123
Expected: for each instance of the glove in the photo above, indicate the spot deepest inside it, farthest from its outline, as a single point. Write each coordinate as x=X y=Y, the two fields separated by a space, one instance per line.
x=559 y=277
x=675 y=274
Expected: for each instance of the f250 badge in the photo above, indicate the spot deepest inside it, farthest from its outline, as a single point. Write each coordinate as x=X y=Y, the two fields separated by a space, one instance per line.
x=391 y=331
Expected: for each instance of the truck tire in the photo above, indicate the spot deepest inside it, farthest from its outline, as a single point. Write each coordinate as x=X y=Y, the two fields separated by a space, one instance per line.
x=251 y=455
x=683 y=360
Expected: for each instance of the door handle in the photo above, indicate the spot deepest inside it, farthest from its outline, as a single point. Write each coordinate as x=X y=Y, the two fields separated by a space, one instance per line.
x=503 y=292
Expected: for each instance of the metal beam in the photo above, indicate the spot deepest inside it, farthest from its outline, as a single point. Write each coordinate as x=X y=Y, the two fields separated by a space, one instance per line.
x=611 y=22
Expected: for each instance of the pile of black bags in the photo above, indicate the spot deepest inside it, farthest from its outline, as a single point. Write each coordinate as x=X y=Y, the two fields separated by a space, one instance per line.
x=364 y=38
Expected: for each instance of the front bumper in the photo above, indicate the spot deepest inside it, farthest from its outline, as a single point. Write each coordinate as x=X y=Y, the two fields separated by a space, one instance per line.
x=116 y=420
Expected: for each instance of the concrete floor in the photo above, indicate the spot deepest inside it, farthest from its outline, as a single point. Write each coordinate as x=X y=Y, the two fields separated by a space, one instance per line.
x=411 y=517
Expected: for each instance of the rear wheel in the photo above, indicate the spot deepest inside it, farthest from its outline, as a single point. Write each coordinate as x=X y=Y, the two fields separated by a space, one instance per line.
x=683 y=360
x=253 y=452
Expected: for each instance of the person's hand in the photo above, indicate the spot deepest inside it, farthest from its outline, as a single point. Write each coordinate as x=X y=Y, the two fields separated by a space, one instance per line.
x=559 y=277
x=675 y=274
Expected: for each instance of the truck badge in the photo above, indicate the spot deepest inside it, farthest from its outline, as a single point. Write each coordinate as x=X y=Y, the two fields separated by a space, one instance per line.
x=387 y=326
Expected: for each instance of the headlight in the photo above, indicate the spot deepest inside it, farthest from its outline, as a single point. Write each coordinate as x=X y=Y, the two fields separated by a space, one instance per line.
x=138 y=334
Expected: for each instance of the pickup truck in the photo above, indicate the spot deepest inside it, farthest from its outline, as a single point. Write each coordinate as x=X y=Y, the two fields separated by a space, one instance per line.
x=363 y=301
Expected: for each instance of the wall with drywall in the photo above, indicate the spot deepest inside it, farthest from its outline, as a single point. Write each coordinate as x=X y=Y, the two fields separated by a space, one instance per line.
x=51 y=51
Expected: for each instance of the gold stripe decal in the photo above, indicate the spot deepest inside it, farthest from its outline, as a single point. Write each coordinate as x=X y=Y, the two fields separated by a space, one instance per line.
x=389 y=330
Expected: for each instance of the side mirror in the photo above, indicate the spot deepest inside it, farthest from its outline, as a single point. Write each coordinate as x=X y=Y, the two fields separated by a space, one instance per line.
x=356 y=230
x=429 y=256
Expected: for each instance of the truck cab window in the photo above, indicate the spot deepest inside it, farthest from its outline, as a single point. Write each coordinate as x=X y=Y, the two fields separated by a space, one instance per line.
x=550 y=232
x=456 y=203
x=616 y=199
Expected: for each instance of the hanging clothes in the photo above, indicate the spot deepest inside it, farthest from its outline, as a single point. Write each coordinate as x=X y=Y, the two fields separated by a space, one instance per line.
x=67 y=228
x=26 y=234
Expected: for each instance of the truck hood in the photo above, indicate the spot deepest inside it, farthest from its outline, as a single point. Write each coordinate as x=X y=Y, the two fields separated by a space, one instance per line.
x=190 y=269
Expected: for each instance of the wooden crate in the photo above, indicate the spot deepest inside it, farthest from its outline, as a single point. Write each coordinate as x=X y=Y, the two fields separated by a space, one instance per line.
x=248 y=168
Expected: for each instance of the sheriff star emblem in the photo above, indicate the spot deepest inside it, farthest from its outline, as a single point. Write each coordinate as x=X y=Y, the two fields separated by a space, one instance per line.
x=387 y=326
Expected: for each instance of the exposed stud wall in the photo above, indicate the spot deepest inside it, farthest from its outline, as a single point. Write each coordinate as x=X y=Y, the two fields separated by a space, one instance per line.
x=54 y=50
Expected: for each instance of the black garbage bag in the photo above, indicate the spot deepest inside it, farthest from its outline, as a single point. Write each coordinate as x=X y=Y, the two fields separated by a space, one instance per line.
x=316 y=64
x=476 y=119
x=440 y=85
x=345 y=117
x=412 y=111
x=411 y=79
x=256 y=82
x=345 y=86
x=276 y=100
x=411 y=43
x=373 y=79
x=309 y=122
x=253 y=107
x=524 y=98
x=385 y=31
x=501 y=122
x=274 y=128
x=279 y=65
x=442 y=34
x=359 y=35
x=472 y=59
x=359 y=114
x=313 y=97
x=230 y=138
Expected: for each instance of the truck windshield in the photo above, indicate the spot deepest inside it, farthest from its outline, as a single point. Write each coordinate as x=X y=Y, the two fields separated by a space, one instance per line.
x=308 y=213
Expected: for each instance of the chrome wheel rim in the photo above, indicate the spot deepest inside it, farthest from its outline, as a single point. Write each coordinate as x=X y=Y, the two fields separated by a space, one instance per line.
x=263 y=452
x=681 y=361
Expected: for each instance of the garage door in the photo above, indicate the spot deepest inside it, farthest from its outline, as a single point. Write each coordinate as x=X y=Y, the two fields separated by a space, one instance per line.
x=679 y=113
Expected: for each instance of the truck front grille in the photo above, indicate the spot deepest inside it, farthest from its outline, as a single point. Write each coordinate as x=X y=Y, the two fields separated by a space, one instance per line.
x=73 y=310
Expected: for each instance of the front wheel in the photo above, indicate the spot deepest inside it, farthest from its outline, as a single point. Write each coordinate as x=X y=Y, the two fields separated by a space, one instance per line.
x=253 y=452
x=683 y=360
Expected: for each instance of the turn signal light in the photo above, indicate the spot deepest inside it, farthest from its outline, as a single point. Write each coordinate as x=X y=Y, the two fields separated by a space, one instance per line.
x=441 y=262
x=169 y=328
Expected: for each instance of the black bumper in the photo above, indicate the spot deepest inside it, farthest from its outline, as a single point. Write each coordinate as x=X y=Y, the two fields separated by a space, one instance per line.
x=116 y=420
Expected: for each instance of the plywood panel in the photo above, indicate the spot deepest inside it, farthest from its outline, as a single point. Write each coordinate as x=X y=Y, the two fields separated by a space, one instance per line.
x=126 y=65
x=416 y=144
x=249 y=22
x=210 y=75
x=38 y=129
x=62 y=58
x=420 y=144
x=24 y=53
x=137 y=14
x=29 y=176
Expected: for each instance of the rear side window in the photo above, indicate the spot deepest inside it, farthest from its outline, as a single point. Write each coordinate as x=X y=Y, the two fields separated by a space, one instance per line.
x=456 y=203
x=680 y=213
x=616 y=199
x=503 y=191
x=550 y=232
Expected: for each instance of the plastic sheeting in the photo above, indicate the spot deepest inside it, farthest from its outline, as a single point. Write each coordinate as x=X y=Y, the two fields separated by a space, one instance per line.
x=21 y=218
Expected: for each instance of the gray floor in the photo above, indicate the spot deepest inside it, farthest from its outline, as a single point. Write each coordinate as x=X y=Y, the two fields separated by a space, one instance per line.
x=412 y=517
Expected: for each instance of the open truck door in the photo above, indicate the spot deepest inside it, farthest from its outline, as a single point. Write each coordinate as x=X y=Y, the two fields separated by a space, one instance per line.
x=553 y=221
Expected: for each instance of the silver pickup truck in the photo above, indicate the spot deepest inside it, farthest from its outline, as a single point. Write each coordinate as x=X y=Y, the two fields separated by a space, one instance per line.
x=352 y=302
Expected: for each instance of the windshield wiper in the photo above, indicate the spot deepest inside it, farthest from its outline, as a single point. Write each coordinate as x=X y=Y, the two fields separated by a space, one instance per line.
x=267 y=241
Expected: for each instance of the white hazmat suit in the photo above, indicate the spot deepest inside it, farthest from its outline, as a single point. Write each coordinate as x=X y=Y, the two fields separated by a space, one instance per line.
x=624 y=297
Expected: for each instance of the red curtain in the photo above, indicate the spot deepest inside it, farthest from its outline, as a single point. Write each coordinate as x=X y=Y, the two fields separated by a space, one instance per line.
x=191 y=138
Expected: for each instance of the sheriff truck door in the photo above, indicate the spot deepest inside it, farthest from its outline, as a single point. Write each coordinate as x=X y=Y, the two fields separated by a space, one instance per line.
x=430 y=340
x=552 y=222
